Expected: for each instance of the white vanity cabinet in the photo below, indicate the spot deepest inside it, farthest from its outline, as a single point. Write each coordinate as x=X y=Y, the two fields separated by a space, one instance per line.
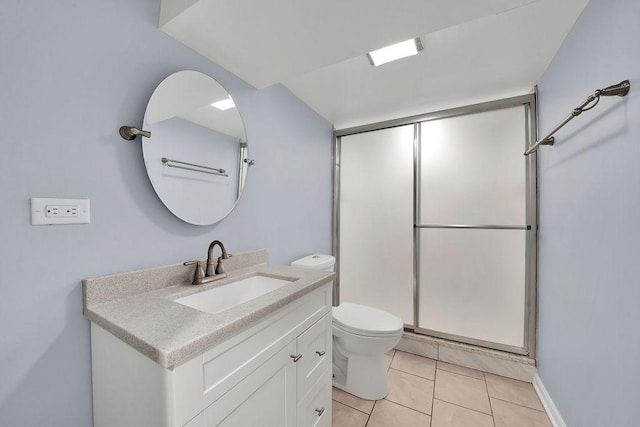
x=275 y=373
x=261 y=398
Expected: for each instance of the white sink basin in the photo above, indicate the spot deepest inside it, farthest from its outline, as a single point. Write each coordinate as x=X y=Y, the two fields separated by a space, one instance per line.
x=224 y=297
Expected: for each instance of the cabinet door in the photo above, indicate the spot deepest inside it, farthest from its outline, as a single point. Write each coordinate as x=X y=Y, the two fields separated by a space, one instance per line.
x=314 y=345
x=263 y=398
x=315 y=409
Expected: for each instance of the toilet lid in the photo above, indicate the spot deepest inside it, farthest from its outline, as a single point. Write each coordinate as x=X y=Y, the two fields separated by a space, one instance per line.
x=363 y=320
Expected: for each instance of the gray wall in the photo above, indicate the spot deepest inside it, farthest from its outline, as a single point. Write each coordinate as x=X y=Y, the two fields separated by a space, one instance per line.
x=71 y=73
x=589 y=266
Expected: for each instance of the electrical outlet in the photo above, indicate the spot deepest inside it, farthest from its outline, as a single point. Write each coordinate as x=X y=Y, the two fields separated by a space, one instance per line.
x=59 y=211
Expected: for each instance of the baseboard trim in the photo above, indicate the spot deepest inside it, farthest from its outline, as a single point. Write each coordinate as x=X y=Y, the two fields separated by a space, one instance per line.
x=549 y=406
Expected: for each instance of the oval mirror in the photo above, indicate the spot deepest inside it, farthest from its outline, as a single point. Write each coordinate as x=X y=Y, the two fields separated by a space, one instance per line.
x=196 y=157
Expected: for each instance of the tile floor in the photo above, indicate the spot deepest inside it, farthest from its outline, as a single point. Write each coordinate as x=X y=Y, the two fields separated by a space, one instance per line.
x=427 y=393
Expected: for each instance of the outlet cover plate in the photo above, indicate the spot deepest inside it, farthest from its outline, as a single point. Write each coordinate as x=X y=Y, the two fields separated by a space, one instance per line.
x=43 y=211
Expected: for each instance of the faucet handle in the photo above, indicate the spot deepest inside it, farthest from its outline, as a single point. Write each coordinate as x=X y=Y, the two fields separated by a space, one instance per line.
x=220 y=266
x=198 y=275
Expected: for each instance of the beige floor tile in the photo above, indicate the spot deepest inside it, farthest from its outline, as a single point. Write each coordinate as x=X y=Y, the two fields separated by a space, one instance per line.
x=353 y=401
x=449 y=415
x=344 y=416
x=513 y=391
x=410 y=391
x=413 y=364
x=391 y=352
x=387 y=360
x=461 y=390
x=457 y=369
x=389 y=414
x=507 y=414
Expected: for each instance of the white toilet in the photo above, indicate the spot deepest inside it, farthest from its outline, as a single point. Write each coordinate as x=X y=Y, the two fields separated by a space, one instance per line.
x=361 y=336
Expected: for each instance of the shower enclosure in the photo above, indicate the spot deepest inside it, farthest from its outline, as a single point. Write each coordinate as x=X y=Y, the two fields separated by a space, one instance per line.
x=435 y=222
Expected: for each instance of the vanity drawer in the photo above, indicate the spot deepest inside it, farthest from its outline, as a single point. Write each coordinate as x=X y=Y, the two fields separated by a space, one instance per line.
x=314 y=345
x=315 y=409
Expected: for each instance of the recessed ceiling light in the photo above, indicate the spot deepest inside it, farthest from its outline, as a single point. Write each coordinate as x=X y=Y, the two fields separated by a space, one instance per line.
x=225 y=104
x=395 y=51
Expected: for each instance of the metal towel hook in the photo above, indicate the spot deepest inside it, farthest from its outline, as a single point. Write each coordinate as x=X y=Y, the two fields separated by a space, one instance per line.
x=129 y=133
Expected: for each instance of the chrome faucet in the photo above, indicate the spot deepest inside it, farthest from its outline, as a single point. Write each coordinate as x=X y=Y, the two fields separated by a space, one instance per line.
x=199 y=277
x=219 y=269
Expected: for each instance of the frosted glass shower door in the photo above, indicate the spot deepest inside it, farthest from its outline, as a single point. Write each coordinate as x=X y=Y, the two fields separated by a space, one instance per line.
x=376 y=220
x=472 y=227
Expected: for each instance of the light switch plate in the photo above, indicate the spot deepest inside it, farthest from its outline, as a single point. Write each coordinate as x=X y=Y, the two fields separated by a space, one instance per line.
x=59 y=211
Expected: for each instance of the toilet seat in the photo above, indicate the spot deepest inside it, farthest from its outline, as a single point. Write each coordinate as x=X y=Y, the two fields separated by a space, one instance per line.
x=366 y=321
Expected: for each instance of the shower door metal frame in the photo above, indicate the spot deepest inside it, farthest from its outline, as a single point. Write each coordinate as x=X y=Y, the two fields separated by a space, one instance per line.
x=530 y=228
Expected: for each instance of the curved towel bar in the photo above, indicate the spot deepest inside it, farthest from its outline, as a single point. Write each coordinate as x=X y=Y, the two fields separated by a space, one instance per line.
x=620 y=89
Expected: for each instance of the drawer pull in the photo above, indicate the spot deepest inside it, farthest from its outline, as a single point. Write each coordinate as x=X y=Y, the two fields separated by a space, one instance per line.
x=320 y=411
x=320 y=353
x=296 y=358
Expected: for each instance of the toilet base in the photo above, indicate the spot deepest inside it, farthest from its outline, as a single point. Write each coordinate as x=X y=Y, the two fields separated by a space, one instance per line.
x=366 y=377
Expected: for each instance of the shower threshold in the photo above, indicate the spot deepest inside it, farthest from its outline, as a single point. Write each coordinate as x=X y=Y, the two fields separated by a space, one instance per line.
x=497 y=362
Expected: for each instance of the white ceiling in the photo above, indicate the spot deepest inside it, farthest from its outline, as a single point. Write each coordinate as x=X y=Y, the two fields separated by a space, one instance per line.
x=474 y=50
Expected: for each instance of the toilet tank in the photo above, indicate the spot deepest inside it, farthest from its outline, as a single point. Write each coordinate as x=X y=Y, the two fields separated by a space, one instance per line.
x=316 y=262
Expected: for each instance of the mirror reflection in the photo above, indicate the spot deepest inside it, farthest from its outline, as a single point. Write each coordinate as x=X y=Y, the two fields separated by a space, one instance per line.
x=196 y=157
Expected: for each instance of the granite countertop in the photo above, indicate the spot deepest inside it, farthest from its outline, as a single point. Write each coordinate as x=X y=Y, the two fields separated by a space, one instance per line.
x=139 y=307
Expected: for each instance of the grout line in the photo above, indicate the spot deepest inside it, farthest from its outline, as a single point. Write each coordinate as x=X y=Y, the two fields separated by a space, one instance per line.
x=405 y=406
x=466 y=376
x=435 y=377
x=509 y=378
x=435 y=361
x=464 y=407
x=369 y=417
x=486 y=386
x=517 y=404
x=460 y=373
x=390 y=363
x=471 y=409
x=351 y=407
x=433 y=395
x=416 y=375
x=413 y=375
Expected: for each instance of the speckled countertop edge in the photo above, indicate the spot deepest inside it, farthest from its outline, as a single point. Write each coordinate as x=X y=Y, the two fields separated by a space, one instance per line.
x=170 y=333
